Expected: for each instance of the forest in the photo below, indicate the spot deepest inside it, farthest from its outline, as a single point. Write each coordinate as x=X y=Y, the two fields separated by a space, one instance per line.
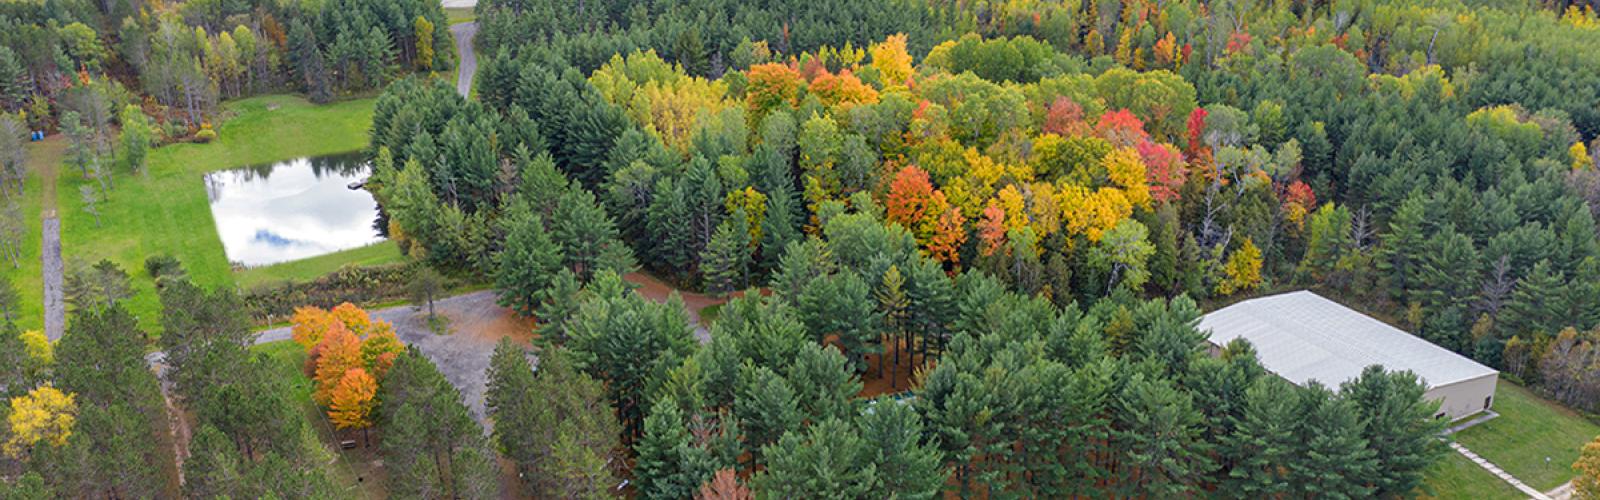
x=964 y=246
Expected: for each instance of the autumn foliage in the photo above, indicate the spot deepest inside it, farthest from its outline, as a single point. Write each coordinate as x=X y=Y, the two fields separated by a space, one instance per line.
x=353 y=400
x=347 y=354
x=43 y=414
x=913 y=203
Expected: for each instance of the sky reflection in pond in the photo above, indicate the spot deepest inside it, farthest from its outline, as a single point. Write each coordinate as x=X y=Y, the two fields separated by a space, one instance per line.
x=292 y=210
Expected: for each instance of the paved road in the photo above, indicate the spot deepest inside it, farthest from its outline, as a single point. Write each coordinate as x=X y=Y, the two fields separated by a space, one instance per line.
x=55 y=310
x=468 y=58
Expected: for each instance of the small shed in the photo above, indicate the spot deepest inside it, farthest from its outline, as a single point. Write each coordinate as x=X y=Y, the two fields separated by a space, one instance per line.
x=1302 y=336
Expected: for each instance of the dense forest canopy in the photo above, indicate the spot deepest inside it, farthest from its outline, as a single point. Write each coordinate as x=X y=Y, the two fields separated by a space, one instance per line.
x=187 y=56
x=948 y=181
x=965 y=245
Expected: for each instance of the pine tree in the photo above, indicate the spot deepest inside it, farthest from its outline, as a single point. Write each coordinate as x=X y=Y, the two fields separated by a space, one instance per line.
x=932 y=304
x=1158 y=434
x=908 y=465
x=828 y=460
x=1399 y=257
x=589 y=237
x=14 y=376
x=558 y=305
x=1449 y=273
x=1262 y=442
x=840 y=305
x=659 y=470
x=1400 y=428
x=724 y=262
x=214 y=467
x=892 y=305
x=527 y=263
x=1327 y=240
x=767 y=408
x=1332 y=459
x=1537 y=304
x=824 y=385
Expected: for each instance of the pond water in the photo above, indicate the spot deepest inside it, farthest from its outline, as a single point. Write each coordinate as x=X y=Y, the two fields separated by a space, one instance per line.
x=292 y=210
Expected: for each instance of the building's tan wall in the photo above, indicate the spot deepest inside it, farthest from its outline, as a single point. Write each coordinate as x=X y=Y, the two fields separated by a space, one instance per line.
x=1465 y=397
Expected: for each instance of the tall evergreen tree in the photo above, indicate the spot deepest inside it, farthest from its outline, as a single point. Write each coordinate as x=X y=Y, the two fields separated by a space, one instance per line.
x=1400 y=428
x=907 y=463
x=527 y=264
x=828 y=460
x=1262 y=443
x=767 y=408
x=1332 y=459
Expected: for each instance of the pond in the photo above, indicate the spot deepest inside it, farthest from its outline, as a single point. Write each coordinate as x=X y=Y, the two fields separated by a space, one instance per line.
x=293 y=209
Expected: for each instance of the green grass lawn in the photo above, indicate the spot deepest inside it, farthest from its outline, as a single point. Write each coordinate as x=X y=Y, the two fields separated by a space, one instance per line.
x=383 y=252
x=165 y=210
x=1457 y=477
x=458 y=15
x=1529 y=429
x=27 y=275
x=287 y=358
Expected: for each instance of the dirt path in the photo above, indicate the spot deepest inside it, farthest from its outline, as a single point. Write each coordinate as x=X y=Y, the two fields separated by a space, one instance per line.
x=655 y=289
x=466 y=57
x=55 y=309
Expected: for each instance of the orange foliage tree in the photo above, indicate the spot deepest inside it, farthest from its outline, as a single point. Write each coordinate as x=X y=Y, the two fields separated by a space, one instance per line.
x=338 y=353
x=771 y=85
x=353 y=399
x=913 y=203
x=842 y=90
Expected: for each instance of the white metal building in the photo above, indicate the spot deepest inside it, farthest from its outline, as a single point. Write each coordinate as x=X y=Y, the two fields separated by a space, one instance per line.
x=1302 y=336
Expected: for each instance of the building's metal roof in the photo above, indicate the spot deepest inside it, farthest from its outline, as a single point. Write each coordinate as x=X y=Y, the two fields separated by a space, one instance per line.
x=1302 y=336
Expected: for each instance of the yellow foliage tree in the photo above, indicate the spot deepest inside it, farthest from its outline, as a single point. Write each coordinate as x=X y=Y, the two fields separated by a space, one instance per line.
x=755 y=209
x=1126 y=171
x=424 y=30
x=353 y=400
x=892 y=60
x=1014 y=206
x=1243 y=270
x=38 y=347
x=380 y=348
x=309 y=325
x=1091 y=213
x=842 y=90
x=354 y=318
x=43 y=414
x=1580 y=156
x=1587 y=483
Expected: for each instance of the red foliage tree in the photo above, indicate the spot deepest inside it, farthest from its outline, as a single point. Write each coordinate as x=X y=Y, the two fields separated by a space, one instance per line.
x=1064 y=117
x=1197 y=127
x=1163 y=169
x=1121 y=128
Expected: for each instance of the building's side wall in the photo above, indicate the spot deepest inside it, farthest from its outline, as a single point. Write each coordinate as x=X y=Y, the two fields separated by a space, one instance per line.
x=1465 y=397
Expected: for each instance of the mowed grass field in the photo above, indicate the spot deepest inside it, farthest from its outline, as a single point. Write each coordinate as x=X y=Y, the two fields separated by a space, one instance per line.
x=1529 y=429
x=383 y=252
x=43 y=159
x=165 y=210
x=1456 y=477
